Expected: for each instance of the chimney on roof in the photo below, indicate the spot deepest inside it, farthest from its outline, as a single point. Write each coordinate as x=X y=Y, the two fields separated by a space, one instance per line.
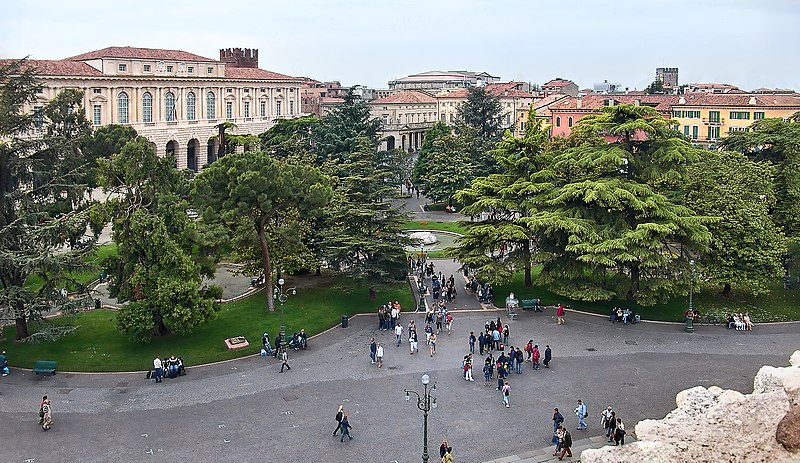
x=752 y=101
x=682 y=100
x=637 y=102
x=579 y=103
x=239 y=57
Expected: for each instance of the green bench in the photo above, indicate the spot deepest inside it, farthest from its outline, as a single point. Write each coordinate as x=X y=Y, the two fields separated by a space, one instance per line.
x=531 y=304
x=45 y=366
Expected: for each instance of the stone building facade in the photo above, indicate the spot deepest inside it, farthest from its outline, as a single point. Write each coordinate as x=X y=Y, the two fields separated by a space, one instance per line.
x=405 y=117
x=174 y=98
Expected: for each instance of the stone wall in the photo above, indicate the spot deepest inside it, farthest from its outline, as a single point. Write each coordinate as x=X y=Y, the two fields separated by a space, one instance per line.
x=716 y=425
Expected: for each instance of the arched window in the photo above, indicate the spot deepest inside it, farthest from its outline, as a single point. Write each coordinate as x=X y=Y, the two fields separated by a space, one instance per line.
x=211 y=106
x=569 y=122
x=191 y=100
x=169 y=106
x=122 y=108
x=147 y=107
x=558 y=122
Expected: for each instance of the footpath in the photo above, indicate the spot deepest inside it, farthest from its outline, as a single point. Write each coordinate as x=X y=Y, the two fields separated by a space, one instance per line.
x=545 y=454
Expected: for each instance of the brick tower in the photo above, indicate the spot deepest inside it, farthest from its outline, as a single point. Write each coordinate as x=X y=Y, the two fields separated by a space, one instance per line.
x=239 y=57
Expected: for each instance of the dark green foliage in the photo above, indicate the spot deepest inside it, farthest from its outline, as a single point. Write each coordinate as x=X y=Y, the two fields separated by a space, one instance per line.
x=362 y=236
x=104 y=142
x=500 y=242
x=747 y=246
x=43 y=205
x=481 y=112
x=612 y=223
x=338 y=132
x=266 y=205
x=776 y=142
x=162 y=253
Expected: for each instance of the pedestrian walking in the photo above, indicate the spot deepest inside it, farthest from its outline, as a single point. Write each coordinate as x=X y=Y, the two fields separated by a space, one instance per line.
x=529 y=349
x=339 y=417
x=535 y=357
x=47 y=415
x=619 y=435
x=496 y=339
x=560 y=314
x=373 y=350
x=558 y=435
x=472 y=340
x=487 y=372
x=548 y=356
x=428 y=333
x=412 y=341
x=481 y=342
x=506 y=334
x=159 y=369
x=582 y=413
x=41 y=410
x=501 y=374
x=443 y=448
x=345 y=427
x=382 y=318
x=379 y=355
x=558 y=418
x=433 y=344
x=566 y=445
x=449 y=320
x=398 y=333
x=608 y=420
x=448 y=456
x=285 y=360
x=468 y=368
x=4 y=363
x=519 y=360
x=506 y=393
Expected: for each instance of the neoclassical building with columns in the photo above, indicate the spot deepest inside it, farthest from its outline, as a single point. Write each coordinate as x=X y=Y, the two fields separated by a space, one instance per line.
x=174 y=98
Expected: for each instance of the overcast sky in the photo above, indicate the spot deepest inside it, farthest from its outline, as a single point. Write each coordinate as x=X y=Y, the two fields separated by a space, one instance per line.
x=749 y=43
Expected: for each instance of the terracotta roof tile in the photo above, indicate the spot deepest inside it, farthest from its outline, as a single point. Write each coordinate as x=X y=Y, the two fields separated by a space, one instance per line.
x=558 y=83
x=408 y=97
x=141 y=53
x=57 y=67
x=502 y=90
x=661 y=103
x=737 y=99
x=256 y=74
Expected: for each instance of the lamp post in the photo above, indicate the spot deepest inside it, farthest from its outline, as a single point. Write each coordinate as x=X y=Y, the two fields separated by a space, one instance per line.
x=281 y=296
x=689 y=320
x=425 y=402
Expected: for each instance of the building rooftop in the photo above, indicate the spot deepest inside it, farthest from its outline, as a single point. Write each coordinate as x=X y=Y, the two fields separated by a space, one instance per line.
x=503 y=90
x=57 y=67
x=558 y=82
x=738 y=99
x=256 y=74
x=141 y=53
x=661 y=103
x=408 y=97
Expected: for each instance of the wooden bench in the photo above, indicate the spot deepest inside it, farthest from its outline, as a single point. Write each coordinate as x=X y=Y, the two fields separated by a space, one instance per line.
x=45 y=366
x=531 y=304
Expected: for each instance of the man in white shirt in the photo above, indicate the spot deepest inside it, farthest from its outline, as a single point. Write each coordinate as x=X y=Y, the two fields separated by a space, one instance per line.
x=607 y=419
x=158 y=367
x=398 y=332
x=379 y=355
x=580 y=410
x=395 y=313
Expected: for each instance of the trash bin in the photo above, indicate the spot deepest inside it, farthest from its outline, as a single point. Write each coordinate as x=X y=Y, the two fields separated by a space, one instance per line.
x=345 y=321
x=98 y=304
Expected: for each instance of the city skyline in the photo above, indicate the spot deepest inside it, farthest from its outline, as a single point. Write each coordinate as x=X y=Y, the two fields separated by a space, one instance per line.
x=741 y=42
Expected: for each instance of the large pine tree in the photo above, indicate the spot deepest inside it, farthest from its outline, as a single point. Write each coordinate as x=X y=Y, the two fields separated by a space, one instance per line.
x=612 y=224
x=43 y=204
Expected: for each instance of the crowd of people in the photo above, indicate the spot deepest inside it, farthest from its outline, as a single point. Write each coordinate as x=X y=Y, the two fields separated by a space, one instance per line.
x=739 y=322
x=624 y=316
x=171 y=367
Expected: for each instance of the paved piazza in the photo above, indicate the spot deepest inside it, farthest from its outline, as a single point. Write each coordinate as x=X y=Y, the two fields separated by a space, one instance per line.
x=245 y=410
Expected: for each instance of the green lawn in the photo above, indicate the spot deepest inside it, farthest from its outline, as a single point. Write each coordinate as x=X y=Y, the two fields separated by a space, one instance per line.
x=97 y=345
x=778 y=305
x=441 y=226
x=34 y=282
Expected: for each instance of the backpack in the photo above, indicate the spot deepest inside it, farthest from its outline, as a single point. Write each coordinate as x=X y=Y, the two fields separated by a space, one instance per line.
x=339 y=416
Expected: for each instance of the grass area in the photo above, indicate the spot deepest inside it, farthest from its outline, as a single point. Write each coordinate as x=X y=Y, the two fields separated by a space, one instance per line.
x=440 y=226
x=778 y=305
x=34 y=282
x=97 y=345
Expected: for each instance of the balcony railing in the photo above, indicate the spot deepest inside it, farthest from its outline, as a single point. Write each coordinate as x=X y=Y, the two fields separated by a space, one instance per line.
x=708 y=121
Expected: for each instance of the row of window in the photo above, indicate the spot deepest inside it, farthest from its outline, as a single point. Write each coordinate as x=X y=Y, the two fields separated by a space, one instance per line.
x=558 y=121
x=713 y=132
x=170 y=115
x=122 y=67
x=713 y=116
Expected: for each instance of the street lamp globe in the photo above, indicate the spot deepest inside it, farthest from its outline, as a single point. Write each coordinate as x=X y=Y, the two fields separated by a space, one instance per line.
x=281 y=281
x=426 y=379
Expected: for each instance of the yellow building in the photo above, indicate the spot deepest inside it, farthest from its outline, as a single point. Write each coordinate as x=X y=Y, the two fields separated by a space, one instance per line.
x=707 y=117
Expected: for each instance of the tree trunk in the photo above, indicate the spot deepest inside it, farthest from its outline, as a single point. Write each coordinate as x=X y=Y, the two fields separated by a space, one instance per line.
x=319 y=270
x=22 y=327
x=450 y=201
x=726 y=290
x=221 y=150
x=526 y=254
x=635 y=279
x=372 y=294
x=159 y=328
x=262 y=241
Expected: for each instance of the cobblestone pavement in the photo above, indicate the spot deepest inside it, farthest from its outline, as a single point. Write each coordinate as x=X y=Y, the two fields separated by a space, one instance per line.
x=245 y=410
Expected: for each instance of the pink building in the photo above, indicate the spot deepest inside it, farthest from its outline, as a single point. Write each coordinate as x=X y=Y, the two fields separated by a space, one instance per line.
x=567 y=112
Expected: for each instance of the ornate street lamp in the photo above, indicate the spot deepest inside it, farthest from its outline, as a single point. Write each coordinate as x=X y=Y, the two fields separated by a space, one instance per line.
x=281 y=296
x=689 y=320
x=425 y=402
